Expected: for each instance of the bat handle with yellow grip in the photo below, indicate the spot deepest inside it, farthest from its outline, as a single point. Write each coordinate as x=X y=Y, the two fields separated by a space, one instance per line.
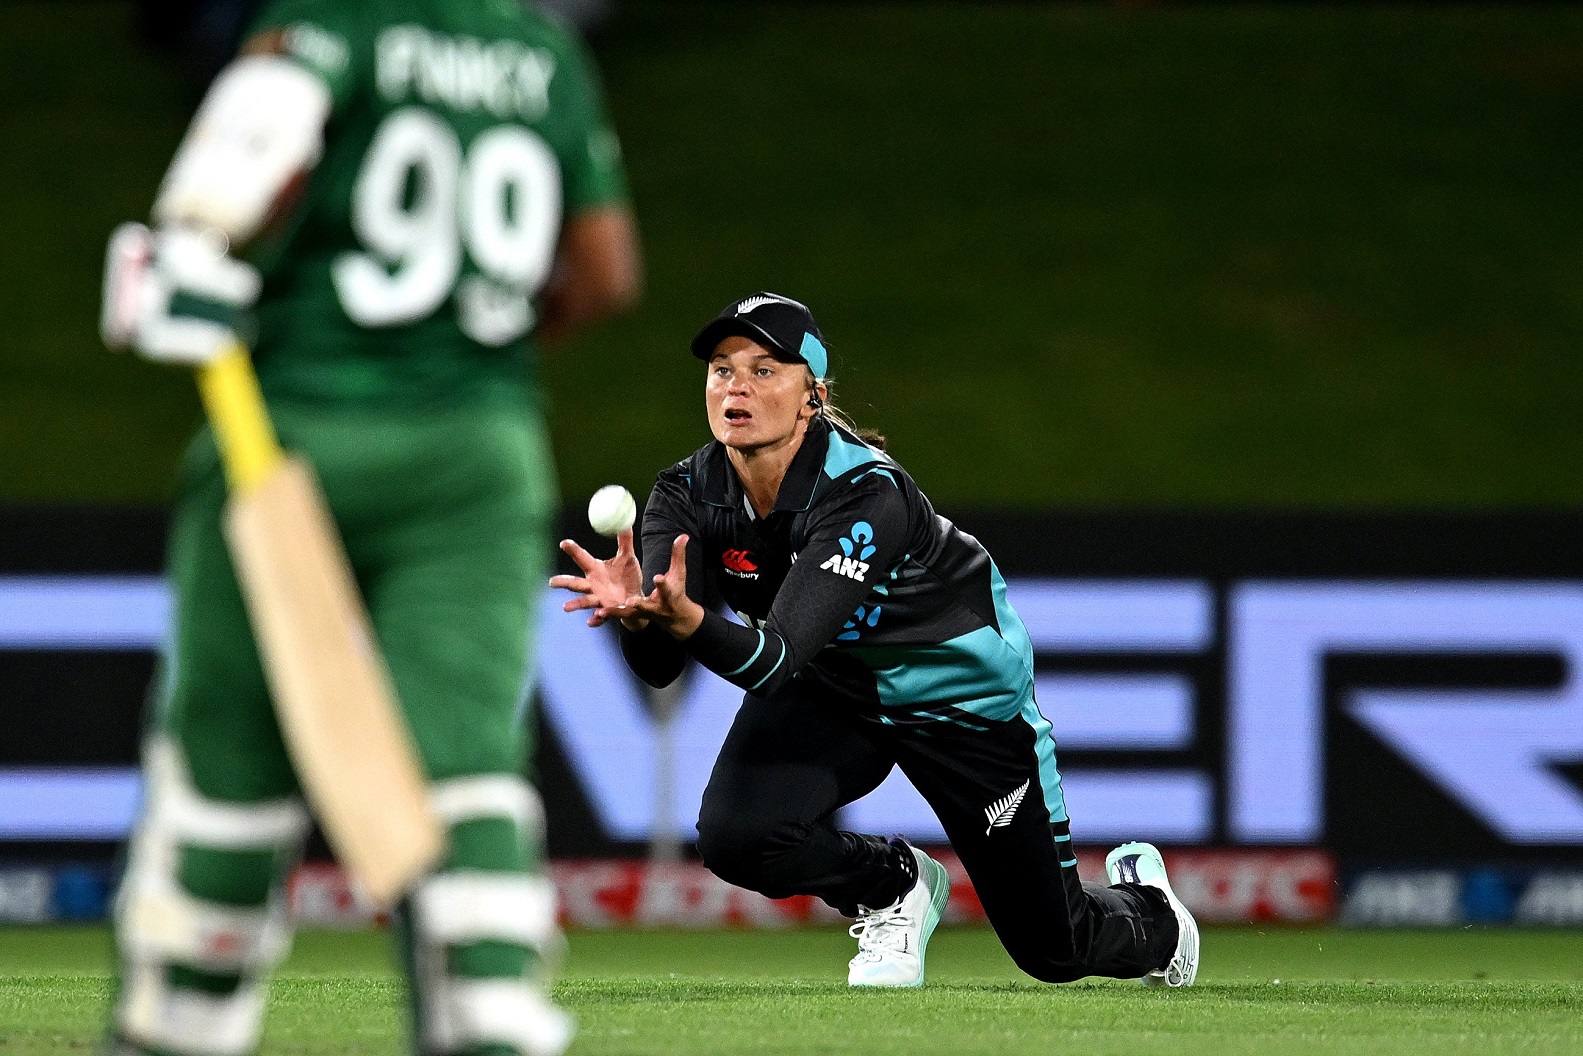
x=235 y=406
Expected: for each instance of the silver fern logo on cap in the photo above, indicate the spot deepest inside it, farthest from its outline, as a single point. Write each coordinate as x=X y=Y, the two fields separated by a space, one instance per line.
x=755 y=302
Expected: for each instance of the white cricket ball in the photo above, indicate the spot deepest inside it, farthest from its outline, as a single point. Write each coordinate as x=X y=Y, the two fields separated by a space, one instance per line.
x=611 y=511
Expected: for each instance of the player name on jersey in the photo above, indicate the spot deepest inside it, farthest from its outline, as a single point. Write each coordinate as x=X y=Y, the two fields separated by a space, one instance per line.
x=503 y=77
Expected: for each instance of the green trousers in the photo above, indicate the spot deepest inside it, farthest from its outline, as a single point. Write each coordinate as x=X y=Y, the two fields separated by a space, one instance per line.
x=446 y=517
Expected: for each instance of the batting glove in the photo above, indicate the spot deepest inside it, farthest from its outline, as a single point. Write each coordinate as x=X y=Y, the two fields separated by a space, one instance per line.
x=175 y=295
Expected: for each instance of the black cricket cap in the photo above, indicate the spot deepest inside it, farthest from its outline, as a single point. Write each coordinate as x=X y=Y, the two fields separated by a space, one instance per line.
x=782 y=325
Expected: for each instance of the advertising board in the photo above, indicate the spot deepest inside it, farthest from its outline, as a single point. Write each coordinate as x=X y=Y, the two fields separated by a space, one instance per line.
x=1371 y=684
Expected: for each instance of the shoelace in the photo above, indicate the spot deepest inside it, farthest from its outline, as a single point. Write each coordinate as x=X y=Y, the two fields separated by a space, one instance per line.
x=878 y=931
x=1176 y=971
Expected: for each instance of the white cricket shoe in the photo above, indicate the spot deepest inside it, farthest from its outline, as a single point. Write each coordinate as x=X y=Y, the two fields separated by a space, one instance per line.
x=1141 y=863
x=891 y=941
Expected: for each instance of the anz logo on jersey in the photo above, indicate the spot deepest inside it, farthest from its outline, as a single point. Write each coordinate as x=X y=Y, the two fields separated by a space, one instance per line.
x=856 y=547
x=846 y=566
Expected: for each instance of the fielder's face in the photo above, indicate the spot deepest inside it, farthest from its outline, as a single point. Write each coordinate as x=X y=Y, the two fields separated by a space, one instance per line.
x=755 y=401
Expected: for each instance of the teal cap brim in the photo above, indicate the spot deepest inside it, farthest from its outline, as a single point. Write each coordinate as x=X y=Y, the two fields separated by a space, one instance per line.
x=814 y=354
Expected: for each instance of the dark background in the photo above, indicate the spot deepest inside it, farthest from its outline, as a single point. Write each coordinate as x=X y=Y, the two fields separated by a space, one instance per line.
x=1172 y=255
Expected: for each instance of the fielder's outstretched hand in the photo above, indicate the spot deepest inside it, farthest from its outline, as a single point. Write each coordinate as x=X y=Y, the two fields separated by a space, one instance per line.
x=668 y=604
x=608 y=587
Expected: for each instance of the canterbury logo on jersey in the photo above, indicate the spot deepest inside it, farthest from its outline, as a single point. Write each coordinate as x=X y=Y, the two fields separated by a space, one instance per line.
x=847 y=566
x=740 y=563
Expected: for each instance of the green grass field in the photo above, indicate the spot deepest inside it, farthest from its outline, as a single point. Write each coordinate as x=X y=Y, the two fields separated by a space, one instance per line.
x=1295 y=254
x=1264 y=992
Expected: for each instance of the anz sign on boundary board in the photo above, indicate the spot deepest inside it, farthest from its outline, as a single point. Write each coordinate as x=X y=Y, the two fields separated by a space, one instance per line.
x=1387 y=686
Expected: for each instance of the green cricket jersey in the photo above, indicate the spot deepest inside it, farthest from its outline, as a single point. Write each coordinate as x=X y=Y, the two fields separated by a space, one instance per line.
x=463 y=133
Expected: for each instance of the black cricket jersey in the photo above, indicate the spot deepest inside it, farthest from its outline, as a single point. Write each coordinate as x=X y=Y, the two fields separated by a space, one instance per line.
x=852 y=582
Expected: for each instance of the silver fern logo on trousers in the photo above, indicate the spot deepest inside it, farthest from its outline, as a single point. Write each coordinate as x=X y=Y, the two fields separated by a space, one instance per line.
x=1000 y=812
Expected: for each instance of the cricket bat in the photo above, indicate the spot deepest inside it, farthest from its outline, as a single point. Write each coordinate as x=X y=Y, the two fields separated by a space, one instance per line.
x=333 y=696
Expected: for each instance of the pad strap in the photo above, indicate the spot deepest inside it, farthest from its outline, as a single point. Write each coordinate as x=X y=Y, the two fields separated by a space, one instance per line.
x=488 y=796
x=159 y=922
x=176 y=807
x=474 y=1012
x=462 y=907
x=189 y=1022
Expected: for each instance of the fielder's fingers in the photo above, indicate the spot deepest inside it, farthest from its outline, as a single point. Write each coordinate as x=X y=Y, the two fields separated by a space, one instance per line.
x=675 y=577
x=584 y=601
x=652 y=604
x=619 y=610
x=624 y=543
x=626 y=608
x=576 y=583
x=585 y=561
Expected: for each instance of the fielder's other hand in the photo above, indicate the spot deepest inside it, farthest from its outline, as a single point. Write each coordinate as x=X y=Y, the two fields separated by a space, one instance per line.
x=668 y=603
x=175 y=295
x=608 y=587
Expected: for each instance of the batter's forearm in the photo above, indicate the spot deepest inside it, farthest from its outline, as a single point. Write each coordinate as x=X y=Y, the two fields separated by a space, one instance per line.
x=598 y=273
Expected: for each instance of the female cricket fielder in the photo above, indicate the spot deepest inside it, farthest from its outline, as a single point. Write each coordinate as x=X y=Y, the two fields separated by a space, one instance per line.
x=874 y=634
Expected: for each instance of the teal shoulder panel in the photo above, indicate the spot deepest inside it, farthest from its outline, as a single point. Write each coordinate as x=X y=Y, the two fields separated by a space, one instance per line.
x=877 y=471
x=844 y=456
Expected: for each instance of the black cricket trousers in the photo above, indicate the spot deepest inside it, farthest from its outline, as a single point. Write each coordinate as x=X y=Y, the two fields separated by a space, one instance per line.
x=792 y=759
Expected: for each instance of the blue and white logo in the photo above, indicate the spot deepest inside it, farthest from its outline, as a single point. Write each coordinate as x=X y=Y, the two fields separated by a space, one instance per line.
x=857 y=546
x=859 y=542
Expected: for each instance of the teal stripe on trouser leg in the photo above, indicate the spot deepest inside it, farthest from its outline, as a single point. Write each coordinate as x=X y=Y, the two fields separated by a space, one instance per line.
x=1015 y=634
x=1044 y=752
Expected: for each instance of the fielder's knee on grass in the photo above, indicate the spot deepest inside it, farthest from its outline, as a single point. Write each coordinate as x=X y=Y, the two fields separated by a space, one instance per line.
x=1114 y=945
x=1044 y=959
x=754 y=853
x=201 y=916
x=1047 y=969
x=480 y=935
